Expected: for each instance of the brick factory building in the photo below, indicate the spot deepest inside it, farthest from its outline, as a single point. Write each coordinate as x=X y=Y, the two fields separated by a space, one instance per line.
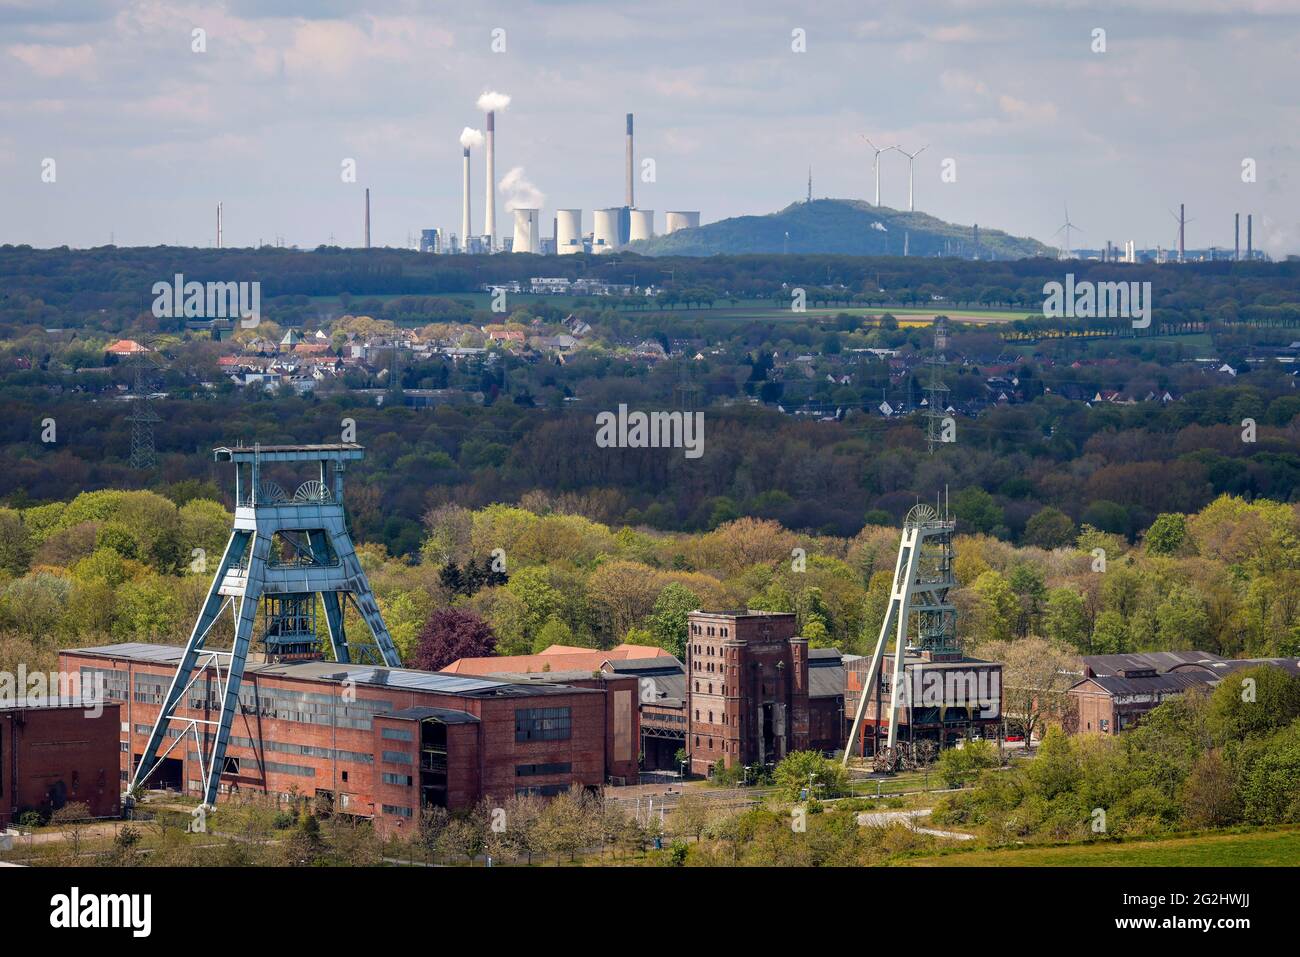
x=1117 y=691
x=376 y=742
x=746 y=689
x=657 y=682
x=52 y=755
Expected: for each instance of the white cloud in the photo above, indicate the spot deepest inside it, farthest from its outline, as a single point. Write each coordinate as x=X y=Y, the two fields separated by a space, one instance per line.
x=48 y=61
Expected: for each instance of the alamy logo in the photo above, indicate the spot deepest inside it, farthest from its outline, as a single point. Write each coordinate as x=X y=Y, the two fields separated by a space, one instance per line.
x=76 y=910
x=651 y=430
x=211 y=300
x=965 y=688
x=1098 y=300
x=33 y=689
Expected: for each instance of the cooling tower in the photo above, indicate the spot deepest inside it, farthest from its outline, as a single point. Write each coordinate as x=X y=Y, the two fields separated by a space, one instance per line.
x=679 y=219
x=568 y=231
x=527 y=237
x=490 y=218
x=604 y=230
x=464 y=209
x=643 y=224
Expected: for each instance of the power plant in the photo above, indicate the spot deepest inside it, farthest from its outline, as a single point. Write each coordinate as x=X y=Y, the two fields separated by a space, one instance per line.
x=612 y=227
x=680 y=219
x=642 y=225
x=527 y=237
x=604 y=231
x=568 y=231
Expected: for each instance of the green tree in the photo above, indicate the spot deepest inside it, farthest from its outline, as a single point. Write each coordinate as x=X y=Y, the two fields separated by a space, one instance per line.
x=1065 y=618
x=668 y=621
x=1252 y=702
x=1167 y=534
x=799 y=768
x=1049 y=528
x=977 y=511
x=959 y=766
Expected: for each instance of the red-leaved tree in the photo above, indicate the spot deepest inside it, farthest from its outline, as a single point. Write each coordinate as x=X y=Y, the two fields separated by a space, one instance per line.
x=450 y=634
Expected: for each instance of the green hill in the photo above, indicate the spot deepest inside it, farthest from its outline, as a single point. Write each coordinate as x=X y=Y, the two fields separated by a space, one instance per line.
x=844 y=226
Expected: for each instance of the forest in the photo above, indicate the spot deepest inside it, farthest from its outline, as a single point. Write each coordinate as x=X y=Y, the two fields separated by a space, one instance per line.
x=131 y=566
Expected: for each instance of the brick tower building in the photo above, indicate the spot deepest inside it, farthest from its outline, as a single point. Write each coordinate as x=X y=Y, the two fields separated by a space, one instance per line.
x=746 y=688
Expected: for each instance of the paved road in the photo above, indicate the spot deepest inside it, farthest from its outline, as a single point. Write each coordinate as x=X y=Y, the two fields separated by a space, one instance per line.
x=908 y=819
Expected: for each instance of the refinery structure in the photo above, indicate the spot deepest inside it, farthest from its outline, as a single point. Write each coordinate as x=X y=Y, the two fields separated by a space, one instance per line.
x=529 y=229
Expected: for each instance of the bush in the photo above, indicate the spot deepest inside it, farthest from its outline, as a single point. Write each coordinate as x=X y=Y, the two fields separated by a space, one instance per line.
x=798 y=768
x=960 y=766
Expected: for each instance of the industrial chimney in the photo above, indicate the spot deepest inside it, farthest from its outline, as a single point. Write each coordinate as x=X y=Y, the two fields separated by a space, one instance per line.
x=1250 y=240
x=367 y=217
x=630 y=201
x=490 y=222
x=464 y=208
x=1182 y=225
x=1236 y=237
x=218 y=225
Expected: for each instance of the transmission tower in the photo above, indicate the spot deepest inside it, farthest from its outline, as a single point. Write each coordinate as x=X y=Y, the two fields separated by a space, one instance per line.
x=144 y=454
x=937 y=390
x=686 y=393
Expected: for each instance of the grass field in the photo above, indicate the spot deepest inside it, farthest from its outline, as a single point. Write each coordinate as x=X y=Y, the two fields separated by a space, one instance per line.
x=1271 y=847
x=743 y=309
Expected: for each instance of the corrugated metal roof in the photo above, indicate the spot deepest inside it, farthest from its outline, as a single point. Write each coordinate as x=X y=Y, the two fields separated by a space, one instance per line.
x=444 y=715
x=403 y=678
x=1161 y=661
x=1173 y=681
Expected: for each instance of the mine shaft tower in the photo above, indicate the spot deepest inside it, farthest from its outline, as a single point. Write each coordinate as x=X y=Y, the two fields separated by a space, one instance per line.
x=918 y=606
x=286 y=553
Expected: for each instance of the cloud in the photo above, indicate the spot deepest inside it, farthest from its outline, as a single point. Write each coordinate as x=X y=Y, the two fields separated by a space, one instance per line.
x=1023 y=110
x=54 y=61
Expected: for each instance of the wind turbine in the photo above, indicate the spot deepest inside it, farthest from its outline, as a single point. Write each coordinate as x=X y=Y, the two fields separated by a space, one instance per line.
x=911 y=207
x=1067 y=252
x=875 y=163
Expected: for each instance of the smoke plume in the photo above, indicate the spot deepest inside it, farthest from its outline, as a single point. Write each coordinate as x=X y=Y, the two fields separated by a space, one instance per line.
x=520 y=192
x=493 y=101
x=470 y=138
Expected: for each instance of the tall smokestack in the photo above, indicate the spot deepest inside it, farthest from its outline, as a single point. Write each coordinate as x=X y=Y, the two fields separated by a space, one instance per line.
x=1236 y=237
x=367 y=217
x=1250 y=240
x=490 y=220
x=1182 y=225
x=630 y=199
x=218 y=225
x=464 y=209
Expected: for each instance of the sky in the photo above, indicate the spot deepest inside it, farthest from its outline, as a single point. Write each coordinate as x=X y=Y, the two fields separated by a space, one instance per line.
x=146 y=134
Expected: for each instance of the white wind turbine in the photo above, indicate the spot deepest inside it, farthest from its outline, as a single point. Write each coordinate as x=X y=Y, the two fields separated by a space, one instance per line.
x=875 y=164
x=911 y=207
x=1067 y=252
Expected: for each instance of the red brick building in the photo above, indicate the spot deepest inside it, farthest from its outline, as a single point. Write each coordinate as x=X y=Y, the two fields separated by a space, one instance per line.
x=57 y=754
x=376 y=742
x=746 y=689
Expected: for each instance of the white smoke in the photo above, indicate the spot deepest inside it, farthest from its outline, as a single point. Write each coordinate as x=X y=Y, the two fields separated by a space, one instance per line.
x=470 y=138
x=520 y=191
x=492 y=101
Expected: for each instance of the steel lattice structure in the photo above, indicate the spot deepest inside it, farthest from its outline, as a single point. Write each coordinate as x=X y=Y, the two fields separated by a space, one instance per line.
x=923 y=577
x=286 y=551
